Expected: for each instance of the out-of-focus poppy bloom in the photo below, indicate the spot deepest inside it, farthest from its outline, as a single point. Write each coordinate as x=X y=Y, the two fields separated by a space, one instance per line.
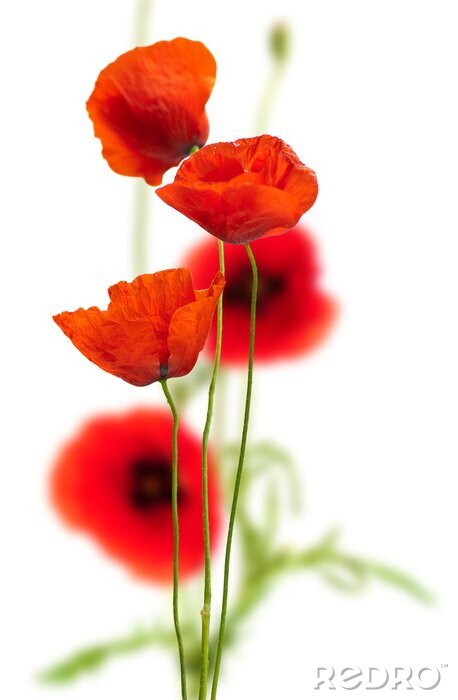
x=154 y=327
x=293 y=314
x=113 y=481
x=243 y=190
x=148 y=106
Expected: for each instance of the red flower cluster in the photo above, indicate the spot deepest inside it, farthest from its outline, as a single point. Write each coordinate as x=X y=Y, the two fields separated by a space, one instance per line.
x=293 y=314
x=113 y=482
x=114 y=479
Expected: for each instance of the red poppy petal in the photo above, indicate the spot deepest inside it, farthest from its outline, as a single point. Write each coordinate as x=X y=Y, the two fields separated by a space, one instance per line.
x=317 y=330
x=190 y=326
x=243 y=190
x=153 y=295
x=148 y=106
x=91 y=488
x=129 y=350
x=294 y=315
x=131 y=338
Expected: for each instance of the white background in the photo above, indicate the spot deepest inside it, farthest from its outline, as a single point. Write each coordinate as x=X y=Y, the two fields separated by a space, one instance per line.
x=369 y=102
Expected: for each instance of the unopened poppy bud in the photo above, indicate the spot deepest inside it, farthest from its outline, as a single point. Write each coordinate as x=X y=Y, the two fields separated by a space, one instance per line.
x=280 y=41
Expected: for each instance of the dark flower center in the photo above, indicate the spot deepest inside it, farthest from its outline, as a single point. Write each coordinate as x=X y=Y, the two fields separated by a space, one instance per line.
x=150 y=483
x=238 y=291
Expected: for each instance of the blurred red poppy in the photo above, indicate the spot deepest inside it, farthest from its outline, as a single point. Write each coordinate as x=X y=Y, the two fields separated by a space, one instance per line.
x=243 y=190
x=293 y=314
x=113 y=481
x=148 y=106
x=154 y=327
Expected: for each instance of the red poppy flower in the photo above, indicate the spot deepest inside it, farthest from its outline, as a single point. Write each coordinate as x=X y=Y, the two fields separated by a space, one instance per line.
x=154 y=327
x=148 y=106
x=243 y=190
x=113 y=481
x=293 y=315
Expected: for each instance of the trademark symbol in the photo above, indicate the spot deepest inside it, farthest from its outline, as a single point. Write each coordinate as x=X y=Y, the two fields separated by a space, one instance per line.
x=444 y=665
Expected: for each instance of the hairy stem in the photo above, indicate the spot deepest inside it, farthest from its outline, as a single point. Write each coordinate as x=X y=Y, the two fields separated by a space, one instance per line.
x=206 y=610
x=141 y=206
x=176 y=537
x=238 y=478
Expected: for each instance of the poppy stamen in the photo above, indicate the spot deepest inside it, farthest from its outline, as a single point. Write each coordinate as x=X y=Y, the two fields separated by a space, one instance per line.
x=151 y=484
x=238 y=293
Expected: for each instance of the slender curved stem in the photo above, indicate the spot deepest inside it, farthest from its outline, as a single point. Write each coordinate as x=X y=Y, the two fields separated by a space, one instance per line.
x=279 y=45
x=142 y=192
x=176 y=537
x=141 y=217
x=267 y=100
x=238 y=477
x=206 y=610
x=142 y=17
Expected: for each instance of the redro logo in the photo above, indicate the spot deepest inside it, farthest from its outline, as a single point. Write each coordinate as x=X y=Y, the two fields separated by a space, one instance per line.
x=377 y=678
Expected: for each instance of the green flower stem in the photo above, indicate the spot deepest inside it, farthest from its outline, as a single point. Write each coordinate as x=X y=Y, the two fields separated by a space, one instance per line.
x=220 y=418
x=246 y=420
x=141 y=218
x=206 y=610
x=142 y=18
x=268 y=97
x=279 y=46
x=251 y=592
x=141 y=206
x=176 y=536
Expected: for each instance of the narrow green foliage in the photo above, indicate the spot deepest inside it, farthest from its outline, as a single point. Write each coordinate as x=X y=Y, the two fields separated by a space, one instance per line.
x=94 y=657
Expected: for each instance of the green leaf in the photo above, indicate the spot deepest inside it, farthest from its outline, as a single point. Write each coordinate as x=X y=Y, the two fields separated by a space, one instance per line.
x=396 y=578
x=351 y=573
x=346 y=572
x=261 y=458
x=94 y=657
